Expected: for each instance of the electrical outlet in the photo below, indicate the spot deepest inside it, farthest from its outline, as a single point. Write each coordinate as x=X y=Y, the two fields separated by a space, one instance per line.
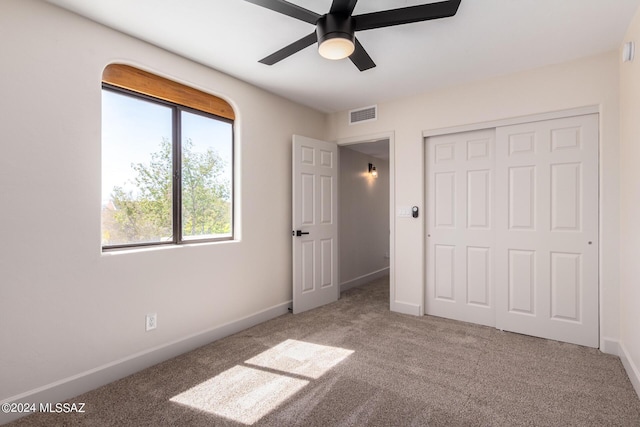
x=151 y=321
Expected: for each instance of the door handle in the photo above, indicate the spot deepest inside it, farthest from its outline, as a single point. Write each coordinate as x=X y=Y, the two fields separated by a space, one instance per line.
x=299 y=233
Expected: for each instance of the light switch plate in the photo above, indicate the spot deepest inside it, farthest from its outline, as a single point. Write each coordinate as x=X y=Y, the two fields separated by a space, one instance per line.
x=404 y=212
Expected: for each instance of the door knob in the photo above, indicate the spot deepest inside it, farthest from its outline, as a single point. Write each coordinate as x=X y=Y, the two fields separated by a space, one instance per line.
x=299 y=233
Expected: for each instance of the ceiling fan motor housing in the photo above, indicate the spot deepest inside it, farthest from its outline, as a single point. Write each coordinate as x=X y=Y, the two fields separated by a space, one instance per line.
x=333 y=26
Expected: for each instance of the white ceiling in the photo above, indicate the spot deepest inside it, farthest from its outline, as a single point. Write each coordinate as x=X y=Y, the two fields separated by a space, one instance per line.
x=486 y=38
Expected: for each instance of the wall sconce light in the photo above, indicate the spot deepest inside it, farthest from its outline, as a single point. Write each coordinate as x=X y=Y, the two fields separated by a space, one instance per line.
x=372 y=170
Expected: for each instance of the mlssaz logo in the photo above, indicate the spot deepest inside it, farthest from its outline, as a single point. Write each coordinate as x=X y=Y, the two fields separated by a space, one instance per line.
x=62 y=408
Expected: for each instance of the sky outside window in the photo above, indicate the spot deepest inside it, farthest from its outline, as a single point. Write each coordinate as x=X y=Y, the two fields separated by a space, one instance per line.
x=132 y=129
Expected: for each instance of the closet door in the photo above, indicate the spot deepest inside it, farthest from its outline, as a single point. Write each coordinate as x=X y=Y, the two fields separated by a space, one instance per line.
x=460 y=227
x=546 y=234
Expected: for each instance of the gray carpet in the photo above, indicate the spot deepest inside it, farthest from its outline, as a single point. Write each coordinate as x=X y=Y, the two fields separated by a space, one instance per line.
x=355 y=363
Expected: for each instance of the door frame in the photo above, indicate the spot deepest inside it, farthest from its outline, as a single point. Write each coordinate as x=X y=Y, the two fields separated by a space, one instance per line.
x=605 y=344
x=390 y=135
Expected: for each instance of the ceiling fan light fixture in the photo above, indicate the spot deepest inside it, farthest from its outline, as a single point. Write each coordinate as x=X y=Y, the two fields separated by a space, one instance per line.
x=336 y=48
x=336 y=39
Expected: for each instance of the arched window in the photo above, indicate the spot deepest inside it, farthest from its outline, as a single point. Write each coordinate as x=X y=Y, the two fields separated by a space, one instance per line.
x=167 y=161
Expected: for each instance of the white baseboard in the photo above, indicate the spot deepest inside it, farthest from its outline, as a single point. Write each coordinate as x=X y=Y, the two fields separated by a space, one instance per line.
x=610 y=346
x=75 y=385
x=632 y=370
x=364 y=279
x=406 y=308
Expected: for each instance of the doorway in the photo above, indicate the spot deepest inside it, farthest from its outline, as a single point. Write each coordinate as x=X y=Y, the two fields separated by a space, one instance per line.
x=364 y=212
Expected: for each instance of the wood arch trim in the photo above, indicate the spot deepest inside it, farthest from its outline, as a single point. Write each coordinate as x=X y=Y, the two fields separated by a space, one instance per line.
x=134 y=79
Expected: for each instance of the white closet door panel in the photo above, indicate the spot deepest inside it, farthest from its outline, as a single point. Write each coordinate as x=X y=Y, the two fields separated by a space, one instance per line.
x=546 y=247
x=460 y=226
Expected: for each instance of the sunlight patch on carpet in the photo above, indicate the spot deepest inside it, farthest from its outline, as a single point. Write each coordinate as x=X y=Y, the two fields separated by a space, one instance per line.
x=301 y=358
x=247 y=393
x=241 y=394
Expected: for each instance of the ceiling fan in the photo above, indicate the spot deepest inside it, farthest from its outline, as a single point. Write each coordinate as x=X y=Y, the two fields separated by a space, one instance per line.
x=335 y=31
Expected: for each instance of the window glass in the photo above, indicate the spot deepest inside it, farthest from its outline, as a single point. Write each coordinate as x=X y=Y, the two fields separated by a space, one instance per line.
x=136 y=171
x=206 y=177
x=167 y=172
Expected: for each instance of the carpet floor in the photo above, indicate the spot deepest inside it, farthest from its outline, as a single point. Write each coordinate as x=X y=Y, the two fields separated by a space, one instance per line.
x=354 y=363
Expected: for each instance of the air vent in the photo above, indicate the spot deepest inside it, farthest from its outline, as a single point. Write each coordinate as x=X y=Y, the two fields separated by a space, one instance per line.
x=366 y=114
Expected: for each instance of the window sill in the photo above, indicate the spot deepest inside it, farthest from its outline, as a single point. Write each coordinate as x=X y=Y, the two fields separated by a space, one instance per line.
x=146 y=249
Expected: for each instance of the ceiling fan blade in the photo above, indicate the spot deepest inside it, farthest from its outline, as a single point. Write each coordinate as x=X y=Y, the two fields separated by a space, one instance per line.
x=343 y=7
x=288 y=9
x=406 y=15
x=361 y=58
x=289 y=50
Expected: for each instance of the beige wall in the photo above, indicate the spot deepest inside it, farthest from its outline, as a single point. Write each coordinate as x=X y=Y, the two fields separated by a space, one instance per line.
x=630 y=209
x=364 y=216
x=67 y=309
x=587 y=82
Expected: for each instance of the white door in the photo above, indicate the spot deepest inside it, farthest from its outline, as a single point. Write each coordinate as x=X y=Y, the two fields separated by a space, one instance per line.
x=546 y=249
x=460 y=230
x=512 y=228
x=315 y=227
